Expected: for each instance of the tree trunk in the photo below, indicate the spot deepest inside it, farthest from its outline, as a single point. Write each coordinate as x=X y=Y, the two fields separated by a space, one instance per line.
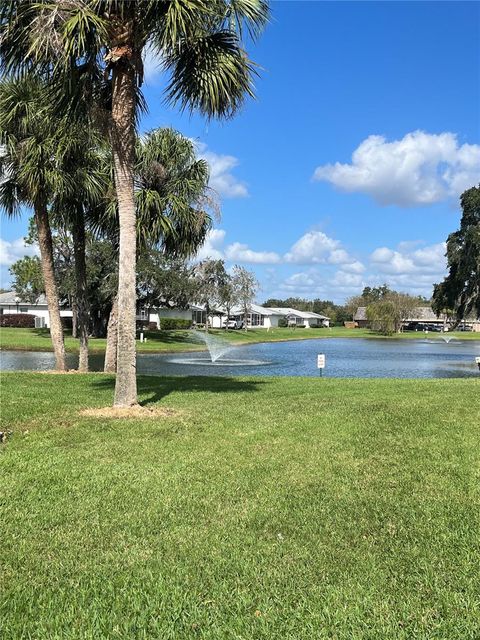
x=123 y=149
x=110 y=365
x=51 y=293
x=83 y=316
x=74 y=317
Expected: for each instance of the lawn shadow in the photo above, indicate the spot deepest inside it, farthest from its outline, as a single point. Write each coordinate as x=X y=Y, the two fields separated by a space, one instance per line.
x=159 y=387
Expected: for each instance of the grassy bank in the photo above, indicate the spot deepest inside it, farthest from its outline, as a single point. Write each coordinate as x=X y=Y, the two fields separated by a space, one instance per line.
x=284 y=509
x=164 y=341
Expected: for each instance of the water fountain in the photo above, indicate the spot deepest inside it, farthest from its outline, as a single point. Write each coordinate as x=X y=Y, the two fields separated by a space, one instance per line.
x=217 y=347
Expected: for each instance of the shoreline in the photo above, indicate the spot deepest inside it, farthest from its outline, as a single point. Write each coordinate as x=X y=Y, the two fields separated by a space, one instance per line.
x=158 y=351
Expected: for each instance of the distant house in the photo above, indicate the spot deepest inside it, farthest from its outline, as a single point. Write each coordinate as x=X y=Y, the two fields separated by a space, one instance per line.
x=360 y=317
x=308 y=319
x=419 y=317
x=11 y=302
x=269 y=317
x=259 y=317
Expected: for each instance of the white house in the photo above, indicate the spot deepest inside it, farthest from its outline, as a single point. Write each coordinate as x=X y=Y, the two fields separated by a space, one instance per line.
x=259 y=317
x=10 y=302
x=308 y=319
x=268 y=317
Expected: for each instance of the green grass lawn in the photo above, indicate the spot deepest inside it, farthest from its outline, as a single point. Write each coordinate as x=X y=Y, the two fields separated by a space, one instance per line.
x=284 y=509
x=163 y=341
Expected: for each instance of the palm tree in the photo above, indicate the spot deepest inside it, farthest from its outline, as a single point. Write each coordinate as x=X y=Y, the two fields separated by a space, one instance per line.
x=83 y=160
x=173 y=206
x=30 y=174
x=199 y=45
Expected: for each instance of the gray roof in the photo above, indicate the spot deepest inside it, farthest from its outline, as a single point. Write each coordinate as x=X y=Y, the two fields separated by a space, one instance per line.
x=287 y=311
x=11 y=298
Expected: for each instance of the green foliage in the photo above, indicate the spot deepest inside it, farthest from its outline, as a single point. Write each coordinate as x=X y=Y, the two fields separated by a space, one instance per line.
x=390 y=310
x=27 y=278
x=169 y=324
x=199 y=44
x=245 y=286
x=381 y=317
x=210 y=278
x=460 y=291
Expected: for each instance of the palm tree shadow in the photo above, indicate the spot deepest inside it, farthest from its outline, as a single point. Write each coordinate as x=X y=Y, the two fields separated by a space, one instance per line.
x=152 y=389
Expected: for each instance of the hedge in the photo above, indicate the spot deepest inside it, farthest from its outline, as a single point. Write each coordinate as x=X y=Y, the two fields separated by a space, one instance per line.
x=168 y=324
x=18 y=320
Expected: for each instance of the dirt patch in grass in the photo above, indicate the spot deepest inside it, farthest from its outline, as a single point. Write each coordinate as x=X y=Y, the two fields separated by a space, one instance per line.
x=130 y=412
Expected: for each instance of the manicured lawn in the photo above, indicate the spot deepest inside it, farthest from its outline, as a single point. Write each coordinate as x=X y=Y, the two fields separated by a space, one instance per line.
x=163 y=341
x=289 y=509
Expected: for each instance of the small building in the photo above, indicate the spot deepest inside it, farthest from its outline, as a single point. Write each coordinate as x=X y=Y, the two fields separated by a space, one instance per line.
x=307 y=319
x=259 y=317
x=360 y=317
x=11 y=303
x=420 y=318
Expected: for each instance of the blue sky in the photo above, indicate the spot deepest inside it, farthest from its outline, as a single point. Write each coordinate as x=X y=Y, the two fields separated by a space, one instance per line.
x=396 y=84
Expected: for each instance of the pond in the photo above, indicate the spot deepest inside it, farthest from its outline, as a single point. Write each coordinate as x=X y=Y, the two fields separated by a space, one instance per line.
x=350 y=358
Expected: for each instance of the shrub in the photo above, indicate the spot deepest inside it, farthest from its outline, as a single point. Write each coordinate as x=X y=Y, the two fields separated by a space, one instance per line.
x=282 y=322
x=300 y=326
x=143 y=325
x=169 y=324
x=18 y=320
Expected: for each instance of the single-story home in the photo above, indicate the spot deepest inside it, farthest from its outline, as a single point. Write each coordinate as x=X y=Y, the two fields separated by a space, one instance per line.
x=10 y=302
x=308 y=319
x=259 y=316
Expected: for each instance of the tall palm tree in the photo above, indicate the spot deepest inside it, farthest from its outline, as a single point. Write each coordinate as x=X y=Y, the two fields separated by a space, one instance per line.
x=30 y=174
x=199 y=45
x=174 y=205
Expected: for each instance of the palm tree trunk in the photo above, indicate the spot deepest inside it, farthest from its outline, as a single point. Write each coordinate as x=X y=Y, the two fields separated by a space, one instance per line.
x=78 y=234
x=110 y=365
x=123 y=149
x=51 y=293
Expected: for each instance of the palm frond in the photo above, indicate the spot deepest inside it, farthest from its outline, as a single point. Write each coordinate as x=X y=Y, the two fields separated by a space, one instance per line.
x=211 y=74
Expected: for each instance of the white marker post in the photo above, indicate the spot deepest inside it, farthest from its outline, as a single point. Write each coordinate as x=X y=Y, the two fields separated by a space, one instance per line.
x=321 y=362
x=477 y=362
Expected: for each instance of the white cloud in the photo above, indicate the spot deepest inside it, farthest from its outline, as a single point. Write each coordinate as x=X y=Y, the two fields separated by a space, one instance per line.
x=212 y=247
x=419 y=169
x=221 y=178
x=11 y=251
x=238 y=252
x=315 y=247
x=426 y=260
x=344 y=280
x=409 y=269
